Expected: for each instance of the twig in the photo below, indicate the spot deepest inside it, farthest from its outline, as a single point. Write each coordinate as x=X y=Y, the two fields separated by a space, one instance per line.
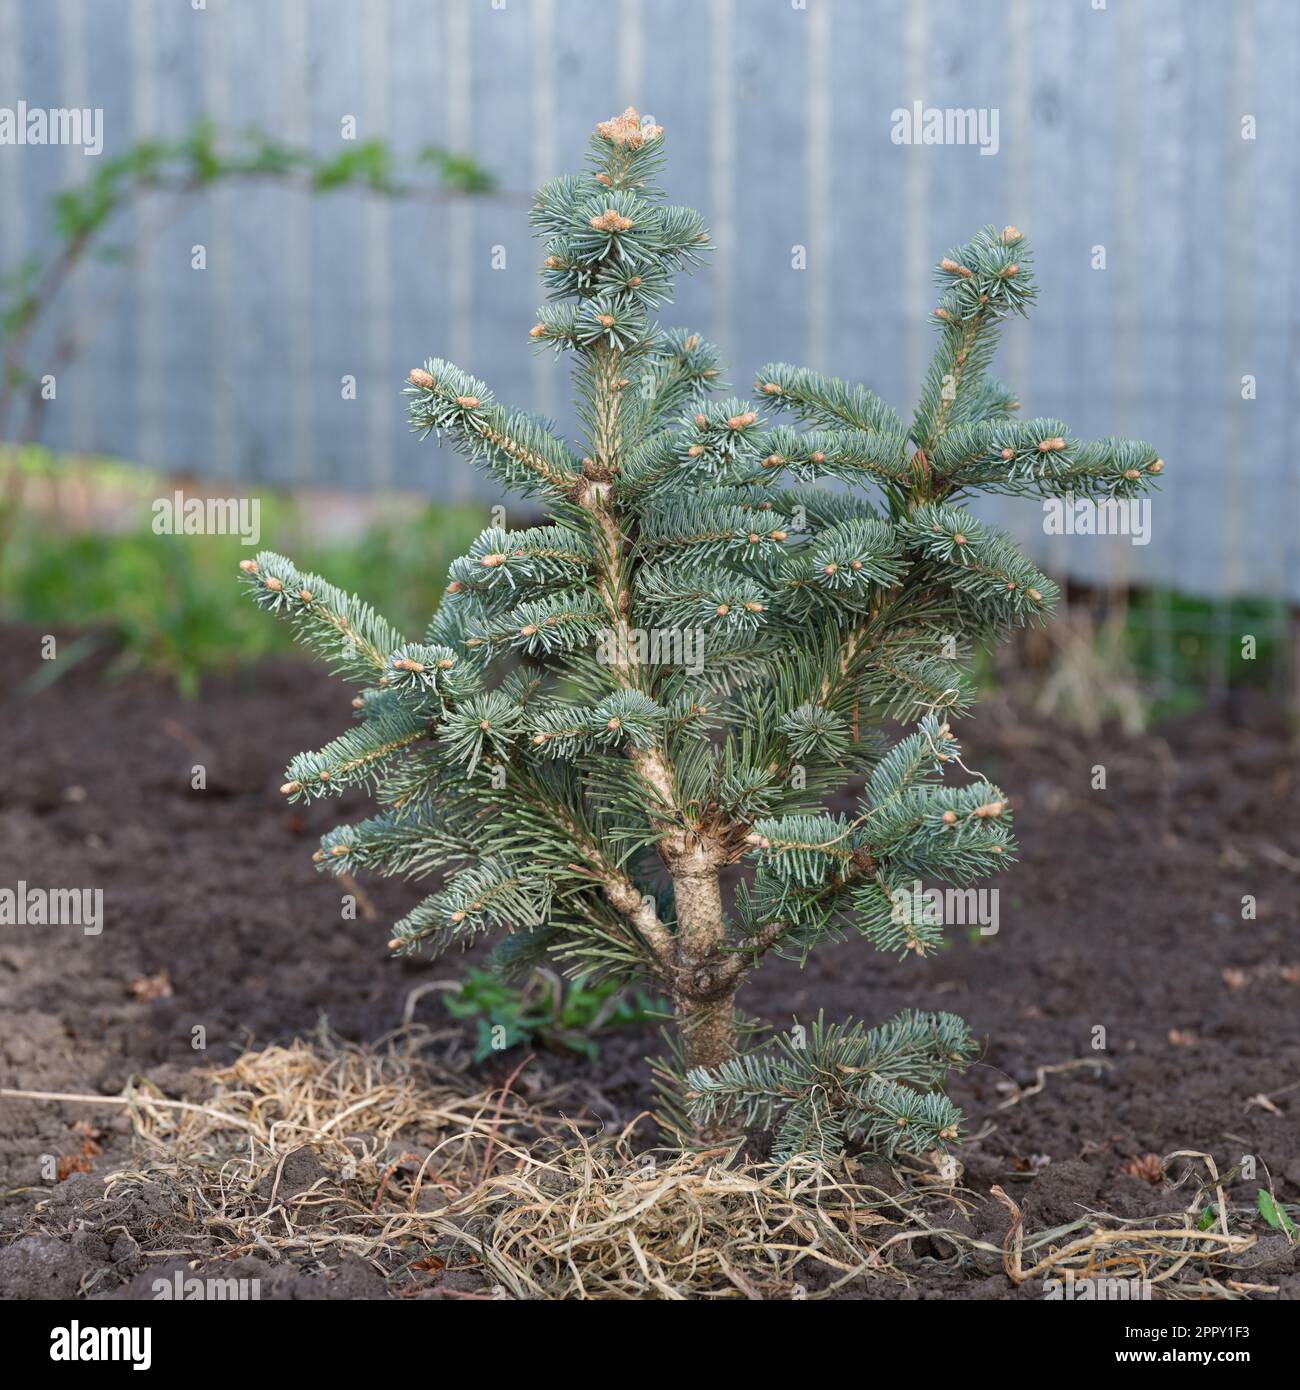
x=7 y=1094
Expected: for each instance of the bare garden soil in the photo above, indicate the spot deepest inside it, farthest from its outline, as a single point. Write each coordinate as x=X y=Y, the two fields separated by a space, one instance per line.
x=1124 y=914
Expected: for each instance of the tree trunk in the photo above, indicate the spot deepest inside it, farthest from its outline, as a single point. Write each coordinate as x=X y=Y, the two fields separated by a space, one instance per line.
x=705 y=1013
x=707 y=1028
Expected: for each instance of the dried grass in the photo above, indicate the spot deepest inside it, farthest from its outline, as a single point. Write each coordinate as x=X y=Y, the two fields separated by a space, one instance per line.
x=322 y=1149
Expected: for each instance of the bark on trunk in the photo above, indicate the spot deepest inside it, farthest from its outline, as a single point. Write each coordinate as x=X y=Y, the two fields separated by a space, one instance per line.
x=705 y=1011
x=708 y=1029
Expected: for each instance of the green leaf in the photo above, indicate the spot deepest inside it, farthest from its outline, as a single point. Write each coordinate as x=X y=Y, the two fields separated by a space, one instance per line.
x=1275 y=1214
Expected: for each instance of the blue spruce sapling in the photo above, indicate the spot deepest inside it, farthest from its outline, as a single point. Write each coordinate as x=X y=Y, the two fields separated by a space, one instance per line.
x=700 y=646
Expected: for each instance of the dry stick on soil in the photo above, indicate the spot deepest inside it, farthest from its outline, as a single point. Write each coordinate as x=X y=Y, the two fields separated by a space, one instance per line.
x=1134 y=1250
x=609 y=712
x=133 y=1101
x=1042 y=1073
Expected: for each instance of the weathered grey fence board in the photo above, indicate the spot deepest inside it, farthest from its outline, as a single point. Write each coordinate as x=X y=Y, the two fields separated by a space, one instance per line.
x=1119 y=127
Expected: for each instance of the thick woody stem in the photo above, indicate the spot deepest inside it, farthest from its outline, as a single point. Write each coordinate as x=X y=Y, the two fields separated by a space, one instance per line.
x=708 y=1030
x=704 y=988
x=695 y=960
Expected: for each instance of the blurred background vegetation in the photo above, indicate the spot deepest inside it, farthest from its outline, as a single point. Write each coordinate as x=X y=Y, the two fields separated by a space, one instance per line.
x=80 y=553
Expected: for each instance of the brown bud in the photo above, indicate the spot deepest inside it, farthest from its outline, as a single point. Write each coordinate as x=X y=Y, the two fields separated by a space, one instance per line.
x=1132 y=474
x=950 y=817
x=484 y=725
x=1034 y=595
x=832 y=568
x=771 y=388
x=1010 y=235
x=1008 y=453
x=773 y=461
x=467 y=402
x=290 y=787
x=615 y=723
x=753 y=607
x=490 y=562
x=538 y=330
x=338 y=851
x=419 y=377
x=1157 y=467
x=528 y=630
x=953 y=268
x=248 y=566
x=446 y=663
x=455 y=586
x=394 y=943
x=723 y=609
x=695 y=451
x=959 y=539
x=318 y=857
x=942 y=313
x=778 y=535
x=274 y=585
x=702 y=422
x=606 y=320
x=692 y=342
x=610 y=221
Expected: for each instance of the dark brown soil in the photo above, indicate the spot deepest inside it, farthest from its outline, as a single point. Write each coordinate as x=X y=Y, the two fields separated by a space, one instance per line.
x=1124 y=915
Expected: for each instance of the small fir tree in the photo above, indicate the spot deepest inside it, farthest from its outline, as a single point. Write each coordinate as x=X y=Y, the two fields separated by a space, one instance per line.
x=668 y=678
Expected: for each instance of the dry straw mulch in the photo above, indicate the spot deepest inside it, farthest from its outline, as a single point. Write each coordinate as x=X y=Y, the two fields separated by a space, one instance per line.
x=317 y=1150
